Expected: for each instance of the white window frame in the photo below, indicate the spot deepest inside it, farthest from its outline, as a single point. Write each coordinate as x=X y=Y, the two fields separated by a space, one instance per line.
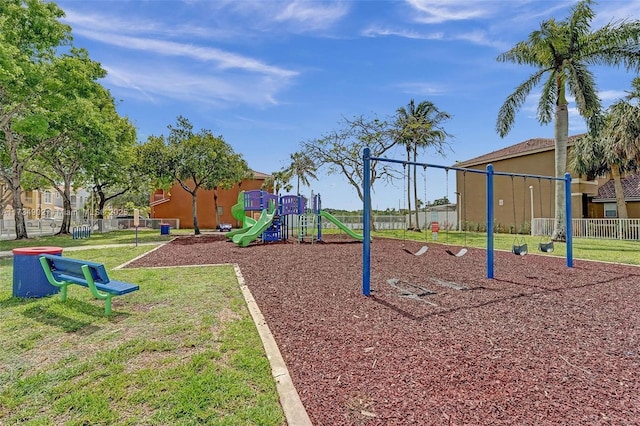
x=610 y=210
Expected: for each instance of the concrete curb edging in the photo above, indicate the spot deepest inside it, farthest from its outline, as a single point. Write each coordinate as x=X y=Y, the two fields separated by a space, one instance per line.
x=294 y=411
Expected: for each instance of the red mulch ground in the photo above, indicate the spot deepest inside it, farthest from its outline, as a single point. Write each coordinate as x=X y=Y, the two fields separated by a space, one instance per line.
x=541 y=344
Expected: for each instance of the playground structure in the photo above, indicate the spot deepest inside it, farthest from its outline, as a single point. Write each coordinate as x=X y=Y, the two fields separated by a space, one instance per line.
x=489 y=173
x=281 y=217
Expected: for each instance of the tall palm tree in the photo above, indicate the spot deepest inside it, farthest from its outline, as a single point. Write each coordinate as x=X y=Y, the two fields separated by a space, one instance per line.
x=420 y=127
x=562 y=51
x=615 y=149
x=302 y=167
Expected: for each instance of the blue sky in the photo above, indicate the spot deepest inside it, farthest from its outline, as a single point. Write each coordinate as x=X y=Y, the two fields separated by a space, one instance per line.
x=267 y=75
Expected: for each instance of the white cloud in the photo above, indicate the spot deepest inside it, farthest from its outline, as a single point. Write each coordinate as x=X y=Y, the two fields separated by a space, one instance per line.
x=312 y=15
x=223 y=59
x=422 y=88
x=139 y=25
x=374 y=31
x=158 y=84
x=295 y=16
x=439 y=11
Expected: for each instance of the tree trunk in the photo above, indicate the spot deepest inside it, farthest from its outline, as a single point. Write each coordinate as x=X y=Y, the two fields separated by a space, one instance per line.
x=13 y=179
x=561 y=136
x=102 y=201
x=215 y=204
x=66 y=206
x=617 y=183
x=194 y=209
x=20 y=225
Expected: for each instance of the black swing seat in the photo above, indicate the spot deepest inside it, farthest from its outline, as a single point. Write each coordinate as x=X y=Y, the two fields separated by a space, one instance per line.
x=461 y=253
x=519 y=250
x=420 y=252
x=546 y=247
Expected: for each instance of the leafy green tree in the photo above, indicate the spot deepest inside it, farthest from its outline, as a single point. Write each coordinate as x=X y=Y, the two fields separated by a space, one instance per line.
x=194 y=160
x=563 y=51
x=340 y=151
x=115 y=170
x=419 y=127
x=30 y=36
x=85 y=127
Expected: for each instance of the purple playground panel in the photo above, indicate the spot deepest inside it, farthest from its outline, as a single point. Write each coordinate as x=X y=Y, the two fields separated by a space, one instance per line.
x=258 y=200
x=292 y=204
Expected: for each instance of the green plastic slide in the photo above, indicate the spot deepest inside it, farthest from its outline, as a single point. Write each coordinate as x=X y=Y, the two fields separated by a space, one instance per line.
x=237 y=211
x=341 y=225
x=256 y=230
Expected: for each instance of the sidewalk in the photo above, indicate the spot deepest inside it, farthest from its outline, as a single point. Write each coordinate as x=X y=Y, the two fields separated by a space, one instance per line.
x=9 y=253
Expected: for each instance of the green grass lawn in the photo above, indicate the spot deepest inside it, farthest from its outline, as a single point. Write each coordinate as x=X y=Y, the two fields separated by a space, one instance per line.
x=182 y=350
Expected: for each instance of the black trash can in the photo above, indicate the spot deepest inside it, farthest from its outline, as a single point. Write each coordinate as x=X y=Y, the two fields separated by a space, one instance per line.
x=29 y=279
x=165 y=228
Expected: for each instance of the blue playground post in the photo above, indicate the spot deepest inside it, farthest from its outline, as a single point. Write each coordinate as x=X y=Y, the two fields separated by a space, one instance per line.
x=366 y=218
x=489 y=220
x=568 y=218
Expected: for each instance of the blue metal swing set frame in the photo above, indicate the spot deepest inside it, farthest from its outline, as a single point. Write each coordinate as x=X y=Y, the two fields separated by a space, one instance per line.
x=490 y=174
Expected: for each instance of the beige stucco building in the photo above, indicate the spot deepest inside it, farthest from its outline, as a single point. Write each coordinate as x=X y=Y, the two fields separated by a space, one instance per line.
x=516 y=199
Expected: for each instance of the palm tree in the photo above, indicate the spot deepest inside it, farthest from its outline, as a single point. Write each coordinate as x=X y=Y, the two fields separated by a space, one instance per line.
x=420 y=127
x=562 y=51
x=615 y=149
x=302 y=167
x=278 y=180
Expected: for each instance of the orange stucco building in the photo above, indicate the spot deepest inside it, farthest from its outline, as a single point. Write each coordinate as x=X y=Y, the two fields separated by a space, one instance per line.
x=177 y=203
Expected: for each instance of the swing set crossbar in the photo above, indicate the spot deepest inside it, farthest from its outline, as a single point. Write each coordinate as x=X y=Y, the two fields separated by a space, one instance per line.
x=489 y=173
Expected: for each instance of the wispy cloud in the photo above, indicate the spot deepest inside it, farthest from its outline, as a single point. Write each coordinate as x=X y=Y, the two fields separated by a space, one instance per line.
x=223 y=59
x=312 y=15
x=439 y=11
x=375 y=31
x=158 y=85
x=139 y=25
x=203 y=73
x=423 y=88
x=294 y=16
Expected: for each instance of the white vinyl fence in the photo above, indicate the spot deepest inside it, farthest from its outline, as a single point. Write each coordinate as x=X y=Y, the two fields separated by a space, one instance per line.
x=40 y=227
x=609 y=229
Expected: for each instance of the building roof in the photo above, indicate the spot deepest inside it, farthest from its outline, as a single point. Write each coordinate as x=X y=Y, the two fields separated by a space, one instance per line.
x=527 y=147
x=630 y=187
x=259 y=175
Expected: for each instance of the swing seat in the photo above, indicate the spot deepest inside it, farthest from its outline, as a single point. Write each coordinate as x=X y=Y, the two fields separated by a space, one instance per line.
x=420 y=252
x=546 y=247
x=519 y=250
x=461 y=253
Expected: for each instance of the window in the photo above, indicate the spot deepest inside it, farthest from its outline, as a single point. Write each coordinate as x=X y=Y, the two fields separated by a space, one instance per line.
x=220 y=210
x=610 y=210
x=47 y=197
x=47 y=212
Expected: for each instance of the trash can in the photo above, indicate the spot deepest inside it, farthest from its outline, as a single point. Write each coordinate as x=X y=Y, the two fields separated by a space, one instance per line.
x=29 y=279
x=165 y=228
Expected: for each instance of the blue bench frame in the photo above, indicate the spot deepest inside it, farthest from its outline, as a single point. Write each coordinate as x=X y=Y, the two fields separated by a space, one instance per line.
x=62 y=271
